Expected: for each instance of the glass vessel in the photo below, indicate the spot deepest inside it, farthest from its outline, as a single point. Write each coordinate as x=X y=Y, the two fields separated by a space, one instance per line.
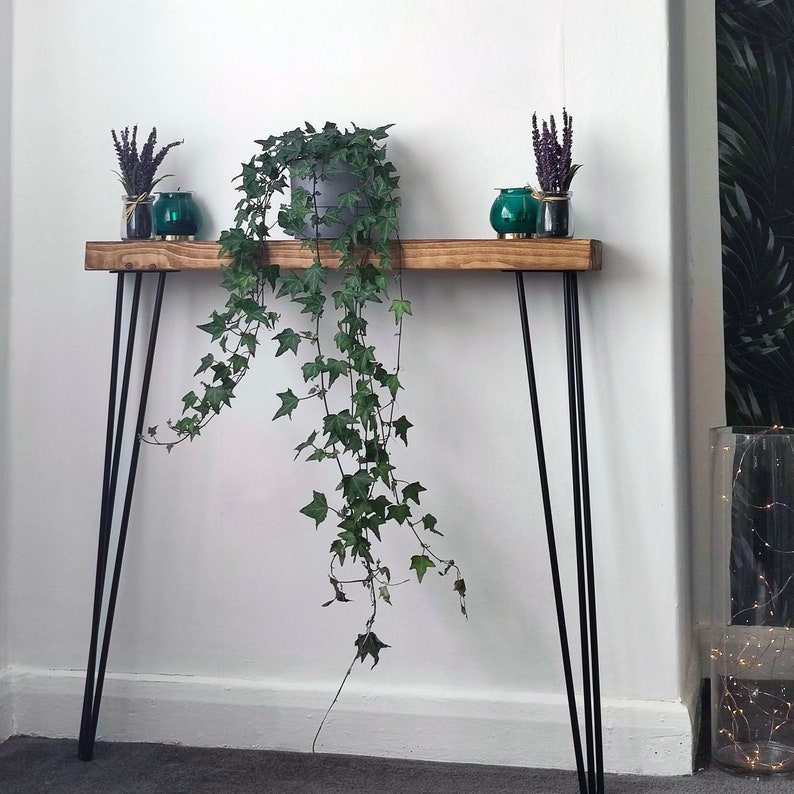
x=137 y=217
x=176 y=216
x=752 y=649
x=554 y=216
x=513 y=213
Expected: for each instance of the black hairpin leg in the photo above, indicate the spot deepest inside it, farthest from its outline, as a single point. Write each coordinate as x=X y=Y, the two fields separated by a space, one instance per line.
x=584 y=539
x=591 y=773
x=114 y=437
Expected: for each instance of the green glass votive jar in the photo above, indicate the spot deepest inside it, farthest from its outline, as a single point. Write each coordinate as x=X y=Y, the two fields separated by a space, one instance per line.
x=514 y=213
x=176 y=216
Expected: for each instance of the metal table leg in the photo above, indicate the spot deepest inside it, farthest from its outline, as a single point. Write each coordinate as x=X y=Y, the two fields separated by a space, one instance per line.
x=117 y=411
x=590 y=769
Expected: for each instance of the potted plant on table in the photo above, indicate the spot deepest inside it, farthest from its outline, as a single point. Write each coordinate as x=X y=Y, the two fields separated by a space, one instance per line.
x=353 y=279
x=555 y=172
x=137 y=175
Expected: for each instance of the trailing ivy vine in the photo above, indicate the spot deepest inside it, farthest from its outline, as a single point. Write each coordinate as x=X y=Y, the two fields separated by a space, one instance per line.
x=341 y=369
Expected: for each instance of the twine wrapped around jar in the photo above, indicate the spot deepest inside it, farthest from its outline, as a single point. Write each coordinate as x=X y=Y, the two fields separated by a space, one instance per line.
x=137 y=217
x=554 y=215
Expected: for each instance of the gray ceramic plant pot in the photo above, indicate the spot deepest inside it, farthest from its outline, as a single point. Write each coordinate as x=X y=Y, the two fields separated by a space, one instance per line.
x=328 y=192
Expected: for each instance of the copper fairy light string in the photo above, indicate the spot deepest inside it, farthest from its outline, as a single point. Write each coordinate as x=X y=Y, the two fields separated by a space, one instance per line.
x=751 y=676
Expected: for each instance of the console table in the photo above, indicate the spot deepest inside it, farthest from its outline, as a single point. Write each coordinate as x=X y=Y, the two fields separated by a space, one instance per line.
x=133 y=260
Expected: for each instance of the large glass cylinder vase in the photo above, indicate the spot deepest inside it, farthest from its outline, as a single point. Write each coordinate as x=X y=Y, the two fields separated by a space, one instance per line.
x=752 y=651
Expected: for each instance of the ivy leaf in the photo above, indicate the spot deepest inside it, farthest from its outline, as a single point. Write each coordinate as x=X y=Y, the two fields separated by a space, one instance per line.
x=356 y=486
x=287 y=340
x=339 y=593
x=412 y=491
x=338 y=547
x=348 y=200
x=248 y=340
x=189 y=400
x=317 y=509
x=383 y=592
x=309 y=442
x=238 y=363
x=152 y=431
x=345 y=343
x=392 y=383
x=217 y=396
x=399 y=513
x=399 y=308
x=369 y=645
x=378 y=506
x=335 y=425
x=420 y=563
x=335 y=367
x=289 y=402
x=429 y=523
x=363 y=358
x=311 y=369
x=315 y=277
x=382 y=470
x=206 y=362
x=291 y=284
x=401 y=426
x=216 y=327
x=460 y=588
x=313 y=304
x=386 y=226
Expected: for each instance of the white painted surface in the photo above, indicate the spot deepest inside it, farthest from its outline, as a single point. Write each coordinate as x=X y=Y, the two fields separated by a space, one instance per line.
x=403 y=722
x=707 y=365
x=223 y=579
x=6 y=706
x=5 y=251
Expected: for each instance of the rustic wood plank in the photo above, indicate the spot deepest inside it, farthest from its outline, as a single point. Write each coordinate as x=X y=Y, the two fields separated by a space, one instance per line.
x=152 y=255
x=532 y=254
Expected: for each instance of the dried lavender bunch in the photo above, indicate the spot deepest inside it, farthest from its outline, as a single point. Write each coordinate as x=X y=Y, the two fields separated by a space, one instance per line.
x=553 y=159
x=137 y=171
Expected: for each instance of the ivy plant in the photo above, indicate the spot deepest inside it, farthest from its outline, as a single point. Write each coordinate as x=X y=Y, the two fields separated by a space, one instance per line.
x=340 y=367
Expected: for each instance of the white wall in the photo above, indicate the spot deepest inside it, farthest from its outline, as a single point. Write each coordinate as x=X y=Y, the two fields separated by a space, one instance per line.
x=220 y=637
x=5 y=227
x=707 y=365
x=697 y=322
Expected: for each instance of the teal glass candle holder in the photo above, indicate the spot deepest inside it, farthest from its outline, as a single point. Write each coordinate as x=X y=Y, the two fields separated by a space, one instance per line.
x=176 y=216
x=514 y=213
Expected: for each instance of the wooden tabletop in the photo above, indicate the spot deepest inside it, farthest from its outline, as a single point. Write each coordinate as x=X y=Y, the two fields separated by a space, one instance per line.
x=524 y=254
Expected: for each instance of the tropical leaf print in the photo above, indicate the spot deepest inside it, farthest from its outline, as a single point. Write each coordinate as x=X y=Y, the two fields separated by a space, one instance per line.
x=755 y=99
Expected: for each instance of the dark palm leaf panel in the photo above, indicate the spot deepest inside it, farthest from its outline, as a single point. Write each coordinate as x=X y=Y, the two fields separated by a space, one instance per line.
x=755 y=100
x=755 y=63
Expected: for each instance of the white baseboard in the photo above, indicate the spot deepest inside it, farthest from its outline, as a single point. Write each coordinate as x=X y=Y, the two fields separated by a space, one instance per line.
x=6 y=706
x=640 y=737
